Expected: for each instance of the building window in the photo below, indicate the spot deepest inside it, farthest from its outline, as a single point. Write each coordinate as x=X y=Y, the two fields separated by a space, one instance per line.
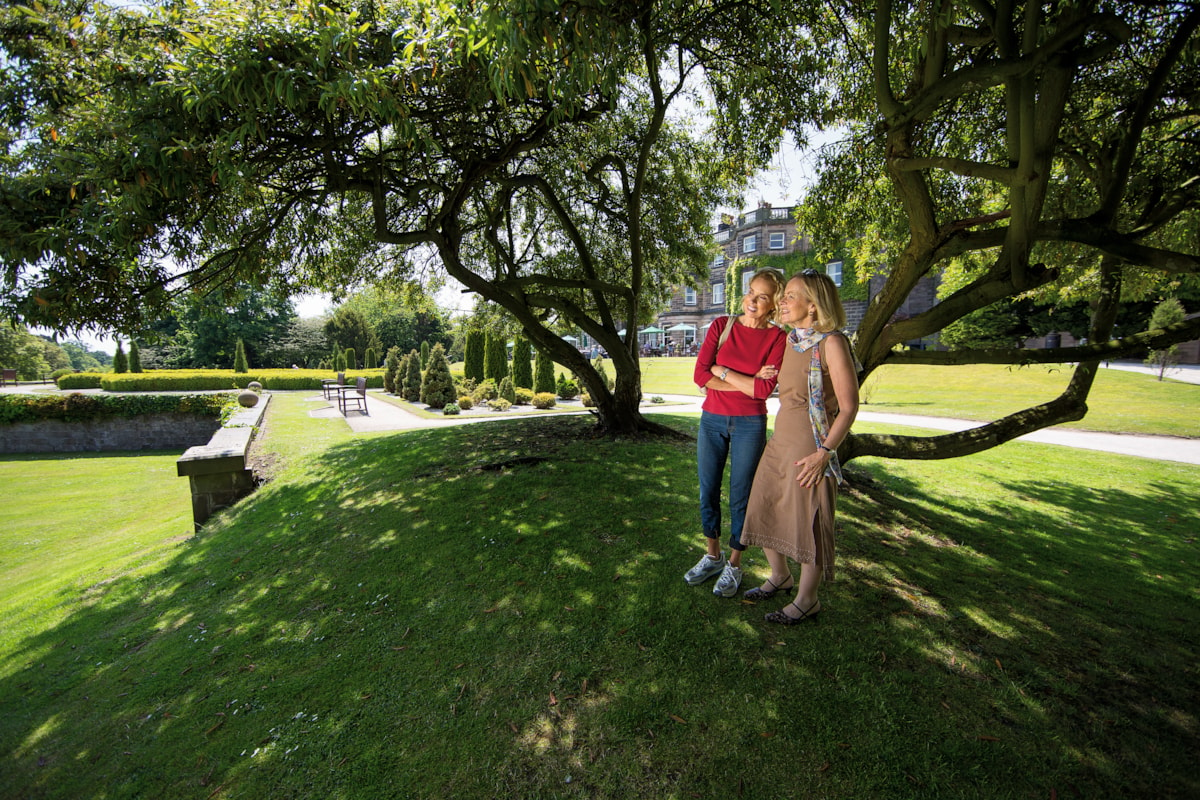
x=689 y=296
x=750 y=243
x=834 y=270
x=746 y=276
x=778 y=240
x=718 y=294
x=719 y=261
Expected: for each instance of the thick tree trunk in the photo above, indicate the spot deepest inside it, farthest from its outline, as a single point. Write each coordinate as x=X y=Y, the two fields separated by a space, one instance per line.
x=619 y=411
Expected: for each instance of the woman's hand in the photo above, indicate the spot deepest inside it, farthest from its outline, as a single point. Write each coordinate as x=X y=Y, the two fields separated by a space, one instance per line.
x=812 y=468
x=766 y=372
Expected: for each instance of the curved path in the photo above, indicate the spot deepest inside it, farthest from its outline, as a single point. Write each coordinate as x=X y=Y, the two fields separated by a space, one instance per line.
x=386 y=416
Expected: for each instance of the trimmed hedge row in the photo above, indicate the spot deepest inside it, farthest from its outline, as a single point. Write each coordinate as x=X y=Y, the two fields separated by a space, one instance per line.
x=195 y=380
x=79 y=380
x=87 y=407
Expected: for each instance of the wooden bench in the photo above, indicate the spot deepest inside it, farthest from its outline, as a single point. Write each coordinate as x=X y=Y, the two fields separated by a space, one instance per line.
x=356 y=394
x=7 y=375
x=329 y=386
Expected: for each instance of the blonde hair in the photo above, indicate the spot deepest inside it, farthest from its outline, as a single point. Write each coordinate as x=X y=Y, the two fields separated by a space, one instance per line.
x=823 y=293
x=775 y=278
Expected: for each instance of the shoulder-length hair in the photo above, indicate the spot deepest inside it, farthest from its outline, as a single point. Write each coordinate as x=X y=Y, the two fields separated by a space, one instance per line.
x=822 y=291
x=778 y=284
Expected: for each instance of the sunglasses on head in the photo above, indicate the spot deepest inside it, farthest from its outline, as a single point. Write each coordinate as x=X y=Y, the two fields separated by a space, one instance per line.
x=810 y=273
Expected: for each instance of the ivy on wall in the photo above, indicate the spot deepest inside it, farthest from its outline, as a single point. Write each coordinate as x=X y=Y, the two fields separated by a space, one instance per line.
x=790 y=264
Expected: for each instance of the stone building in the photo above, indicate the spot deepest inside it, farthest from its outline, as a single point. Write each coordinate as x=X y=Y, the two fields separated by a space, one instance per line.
x=765 y=231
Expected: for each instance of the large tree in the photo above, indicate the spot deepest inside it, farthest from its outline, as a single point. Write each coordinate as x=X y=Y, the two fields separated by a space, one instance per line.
x=348 y=329
x=1015 y=150
x=526 y=147
x=211 y=325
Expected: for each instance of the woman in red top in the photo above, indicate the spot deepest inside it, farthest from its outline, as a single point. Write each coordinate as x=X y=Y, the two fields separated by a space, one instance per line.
x=738 y=375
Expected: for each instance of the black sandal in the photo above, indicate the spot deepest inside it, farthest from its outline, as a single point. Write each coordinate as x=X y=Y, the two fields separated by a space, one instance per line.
x=759 y=593
x=783 y=619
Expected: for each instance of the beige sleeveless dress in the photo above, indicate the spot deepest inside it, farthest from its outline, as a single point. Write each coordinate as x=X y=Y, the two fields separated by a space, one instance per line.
x=783 y=515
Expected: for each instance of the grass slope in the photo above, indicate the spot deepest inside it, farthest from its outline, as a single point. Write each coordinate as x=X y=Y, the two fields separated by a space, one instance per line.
x=498 y=611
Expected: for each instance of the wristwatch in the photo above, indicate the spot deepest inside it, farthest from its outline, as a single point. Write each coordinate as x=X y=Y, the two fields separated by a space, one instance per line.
x=724 y=373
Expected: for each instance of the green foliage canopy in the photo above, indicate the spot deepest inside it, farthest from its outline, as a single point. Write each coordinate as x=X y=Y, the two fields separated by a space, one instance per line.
x=527 y=145
x=1017 y=151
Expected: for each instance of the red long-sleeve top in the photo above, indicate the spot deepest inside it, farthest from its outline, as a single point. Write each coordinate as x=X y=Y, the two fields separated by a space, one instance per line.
x=745 y=351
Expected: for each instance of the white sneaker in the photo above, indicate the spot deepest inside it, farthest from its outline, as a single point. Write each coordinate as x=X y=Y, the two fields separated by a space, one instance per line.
x=705 y=568
x=728 y=583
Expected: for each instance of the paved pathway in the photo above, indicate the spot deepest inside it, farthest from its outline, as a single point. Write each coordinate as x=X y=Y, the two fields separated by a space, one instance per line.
x=385 y=416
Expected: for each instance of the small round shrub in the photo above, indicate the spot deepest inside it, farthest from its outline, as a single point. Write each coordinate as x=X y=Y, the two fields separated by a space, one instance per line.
x=507 y=390
x=486 y=390
x=465 y=402
x=587 y=400
x=499 y=404
x=566 y=388
x=657 y=399
x=523 y=396
x=450 y=409
x=464 y=385
x=543 y=400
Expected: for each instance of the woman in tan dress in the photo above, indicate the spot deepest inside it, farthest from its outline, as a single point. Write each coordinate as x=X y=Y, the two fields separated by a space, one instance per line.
x=794 y=494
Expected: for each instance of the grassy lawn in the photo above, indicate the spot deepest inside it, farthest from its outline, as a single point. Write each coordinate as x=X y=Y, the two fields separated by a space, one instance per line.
x=1120 y=402
x=498 y=611
x=75 y=524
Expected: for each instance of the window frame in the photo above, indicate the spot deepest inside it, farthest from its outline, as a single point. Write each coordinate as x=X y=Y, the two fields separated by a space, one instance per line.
x=834 y=270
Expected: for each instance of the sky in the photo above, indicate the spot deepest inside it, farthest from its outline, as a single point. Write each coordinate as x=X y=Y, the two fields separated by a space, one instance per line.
x=782 y=183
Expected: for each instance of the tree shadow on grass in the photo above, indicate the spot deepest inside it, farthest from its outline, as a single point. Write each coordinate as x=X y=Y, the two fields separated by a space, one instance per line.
x=491 y=610
x=1072 y=607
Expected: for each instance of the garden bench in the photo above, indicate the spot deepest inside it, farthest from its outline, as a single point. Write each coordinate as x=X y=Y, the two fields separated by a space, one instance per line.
x=356 y=394
x=331 y=385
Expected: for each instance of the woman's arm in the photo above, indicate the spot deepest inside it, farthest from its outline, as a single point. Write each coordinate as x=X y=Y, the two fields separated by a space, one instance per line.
x=749 y=385
x=761 y=383
x=707 y=357
x=845 y=386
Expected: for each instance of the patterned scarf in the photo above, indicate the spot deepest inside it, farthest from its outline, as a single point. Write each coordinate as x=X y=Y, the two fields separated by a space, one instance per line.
x=802 y=340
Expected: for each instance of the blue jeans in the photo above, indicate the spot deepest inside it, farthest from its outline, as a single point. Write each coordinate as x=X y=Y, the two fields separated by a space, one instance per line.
x=740 y=440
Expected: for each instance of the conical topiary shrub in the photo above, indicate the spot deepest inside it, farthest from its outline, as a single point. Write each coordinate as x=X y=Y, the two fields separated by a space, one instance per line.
x=120 y=360
x=239 y=358
x=411 y=387
x=543 y=374
x=495 y=365
x=522 y=367
x=391 y=370
x=438 y=387
x=473 y=356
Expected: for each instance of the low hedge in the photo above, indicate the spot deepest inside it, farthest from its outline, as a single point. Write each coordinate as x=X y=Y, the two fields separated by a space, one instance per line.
x=80 y=380
x=198 y=380
x=87 y=407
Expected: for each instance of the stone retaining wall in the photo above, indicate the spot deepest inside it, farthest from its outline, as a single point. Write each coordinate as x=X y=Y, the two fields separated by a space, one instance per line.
x=146 y=432
x=217 y=472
